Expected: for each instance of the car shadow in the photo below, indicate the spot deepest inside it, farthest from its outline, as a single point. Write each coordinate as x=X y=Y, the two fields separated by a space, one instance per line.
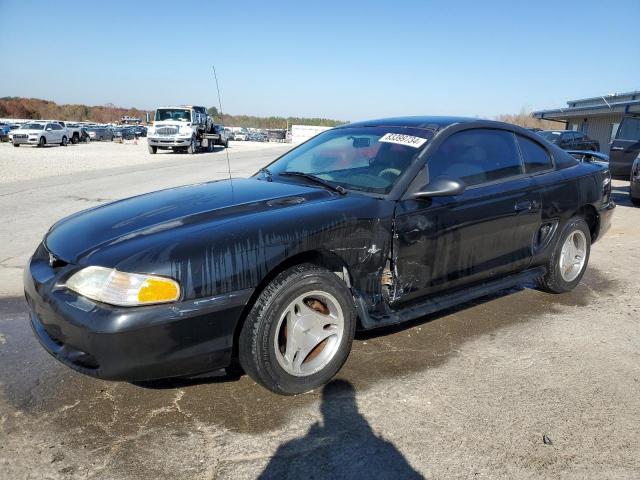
x=342 y=445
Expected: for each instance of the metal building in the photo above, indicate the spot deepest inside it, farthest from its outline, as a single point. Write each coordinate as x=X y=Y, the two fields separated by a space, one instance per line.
x=597 y=117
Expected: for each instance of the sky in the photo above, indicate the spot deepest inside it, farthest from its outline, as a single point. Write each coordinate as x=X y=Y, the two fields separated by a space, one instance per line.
x=347 y=60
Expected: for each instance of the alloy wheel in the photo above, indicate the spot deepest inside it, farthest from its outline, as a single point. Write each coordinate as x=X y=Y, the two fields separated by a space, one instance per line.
x=309 y=333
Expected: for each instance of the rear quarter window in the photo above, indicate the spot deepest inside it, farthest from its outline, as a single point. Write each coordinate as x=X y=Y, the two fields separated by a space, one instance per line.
x=535 y=157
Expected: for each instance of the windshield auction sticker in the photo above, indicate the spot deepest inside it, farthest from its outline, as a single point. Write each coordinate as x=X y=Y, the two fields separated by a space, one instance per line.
x=400 y=139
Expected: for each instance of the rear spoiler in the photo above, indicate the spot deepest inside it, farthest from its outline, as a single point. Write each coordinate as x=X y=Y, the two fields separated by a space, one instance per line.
x=588 y=156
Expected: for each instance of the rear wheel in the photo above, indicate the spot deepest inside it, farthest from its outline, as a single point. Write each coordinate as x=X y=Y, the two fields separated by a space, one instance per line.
x=64 y=141
x=299 y=332
x=153 y=150
x=570 y=258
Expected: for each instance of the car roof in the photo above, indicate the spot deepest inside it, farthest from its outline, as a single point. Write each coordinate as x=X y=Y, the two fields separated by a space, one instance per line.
x=426 y=122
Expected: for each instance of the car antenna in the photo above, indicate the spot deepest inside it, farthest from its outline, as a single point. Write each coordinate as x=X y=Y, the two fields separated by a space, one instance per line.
x=226 y=151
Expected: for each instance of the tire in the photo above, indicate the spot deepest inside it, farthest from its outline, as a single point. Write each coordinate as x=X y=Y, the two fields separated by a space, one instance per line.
x=101 y=139
x=75 y=140
x=635 y=201
x=153 y=150
x=226 y=143
x=263 y=345
x=64 y=141
x=16 y=145
x=555 y=281
x=191 y=149
x=42 y=142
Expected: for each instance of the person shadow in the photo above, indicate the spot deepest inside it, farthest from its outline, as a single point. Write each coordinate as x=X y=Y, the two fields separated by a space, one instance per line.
x=343 y=445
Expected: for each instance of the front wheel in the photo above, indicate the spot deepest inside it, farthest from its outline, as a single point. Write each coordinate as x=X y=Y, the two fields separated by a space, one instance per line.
x=75 y=139
x=635 y=201
x=153 y=150
x=569 y=259
x=42 y=142
x=16 y=144
x=299 y=332
x=191 y=149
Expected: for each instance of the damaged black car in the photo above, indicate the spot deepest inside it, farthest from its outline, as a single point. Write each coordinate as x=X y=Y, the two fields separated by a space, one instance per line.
x=365 y=225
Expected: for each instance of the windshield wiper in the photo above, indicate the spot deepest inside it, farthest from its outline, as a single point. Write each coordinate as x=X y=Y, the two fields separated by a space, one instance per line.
x=318 y=180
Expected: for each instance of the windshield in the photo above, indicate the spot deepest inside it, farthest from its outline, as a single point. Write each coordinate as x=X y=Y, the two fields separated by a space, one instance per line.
x=32 y=126
x=370 y=159
x=177 y=114
x=550 y=136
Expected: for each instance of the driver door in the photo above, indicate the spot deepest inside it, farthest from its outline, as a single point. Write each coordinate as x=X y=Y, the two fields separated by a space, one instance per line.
x=449 y=242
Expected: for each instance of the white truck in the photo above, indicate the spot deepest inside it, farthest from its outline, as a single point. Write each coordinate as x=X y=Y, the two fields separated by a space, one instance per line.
x=74 y=133
x=186 y=127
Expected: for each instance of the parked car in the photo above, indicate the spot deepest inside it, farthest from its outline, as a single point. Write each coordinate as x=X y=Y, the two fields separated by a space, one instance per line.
x=257 y=137
x=634 y=185
x=221 y=135
x=363 y=226
x=40 y=133
x=125 y=133
x=570 y=140
x=84 y=135
x=240 y=136
x=625 y=147
x=100 y=133
x=5 y=128
x=139 y=130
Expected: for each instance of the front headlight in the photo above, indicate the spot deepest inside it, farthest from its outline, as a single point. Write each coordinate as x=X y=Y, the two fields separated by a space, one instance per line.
x=110 y=286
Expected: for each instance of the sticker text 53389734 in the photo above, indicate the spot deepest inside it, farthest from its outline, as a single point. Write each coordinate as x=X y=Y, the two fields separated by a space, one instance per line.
x=400 y=139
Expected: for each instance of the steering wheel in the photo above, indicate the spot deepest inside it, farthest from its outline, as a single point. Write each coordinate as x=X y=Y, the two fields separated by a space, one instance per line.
x=389 y=174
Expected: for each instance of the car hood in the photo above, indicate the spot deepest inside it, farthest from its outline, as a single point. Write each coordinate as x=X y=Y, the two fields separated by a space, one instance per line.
x=27 y=131
x=88 y=231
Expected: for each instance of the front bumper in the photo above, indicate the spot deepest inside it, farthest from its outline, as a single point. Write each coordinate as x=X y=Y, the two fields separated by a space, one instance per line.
x=139 y=343
x=169 y=141
x=24 y=141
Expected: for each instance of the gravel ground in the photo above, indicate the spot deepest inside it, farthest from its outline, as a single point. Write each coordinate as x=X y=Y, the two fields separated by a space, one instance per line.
x=28 y=163
x=522 y=384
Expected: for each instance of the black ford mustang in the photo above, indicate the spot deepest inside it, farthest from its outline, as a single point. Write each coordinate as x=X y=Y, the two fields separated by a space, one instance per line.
x=364 y=225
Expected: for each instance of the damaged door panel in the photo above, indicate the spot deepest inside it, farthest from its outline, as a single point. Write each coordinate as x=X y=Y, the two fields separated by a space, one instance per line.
x=454 y=241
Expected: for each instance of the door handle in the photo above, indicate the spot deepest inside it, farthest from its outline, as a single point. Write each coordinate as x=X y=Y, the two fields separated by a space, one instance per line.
x=617 y=148
x=523 y=206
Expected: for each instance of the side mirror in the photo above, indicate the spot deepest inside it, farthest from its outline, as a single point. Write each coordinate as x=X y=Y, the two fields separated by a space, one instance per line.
x=49 y=129
x=440 y=187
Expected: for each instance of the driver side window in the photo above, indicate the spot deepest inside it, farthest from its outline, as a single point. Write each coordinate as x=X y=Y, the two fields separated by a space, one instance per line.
x=476 y=156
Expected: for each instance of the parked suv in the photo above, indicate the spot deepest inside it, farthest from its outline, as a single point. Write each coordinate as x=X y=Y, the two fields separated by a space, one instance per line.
x=625 y=148
x=570 y=140
x=40 y=134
